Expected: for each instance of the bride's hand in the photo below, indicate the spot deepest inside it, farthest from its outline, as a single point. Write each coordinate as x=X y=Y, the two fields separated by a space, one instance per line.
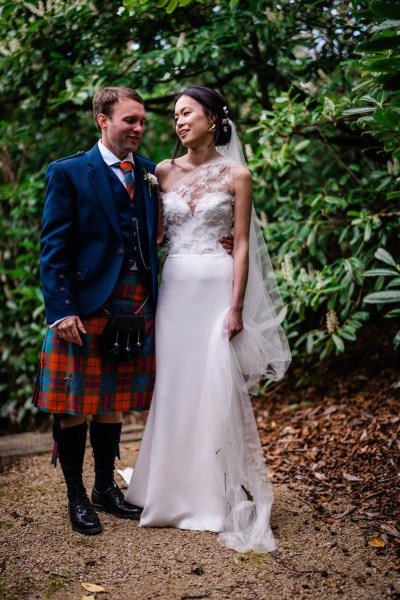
x=235 y=323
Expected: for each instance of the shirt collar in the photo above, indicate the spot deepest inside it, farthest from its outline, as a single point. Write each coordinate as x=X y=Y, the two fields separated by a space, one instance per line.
x=110 y=158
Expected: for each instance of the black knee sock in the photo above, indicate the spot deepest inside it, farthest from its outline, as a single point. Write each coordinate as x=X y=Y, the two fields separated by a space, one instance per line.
x=71 y=451
x=104 y=438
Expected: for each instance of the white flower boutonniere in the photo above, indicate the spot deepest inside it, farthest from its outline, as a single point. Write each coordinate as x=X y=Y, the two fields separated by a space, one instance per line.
x=150 y=179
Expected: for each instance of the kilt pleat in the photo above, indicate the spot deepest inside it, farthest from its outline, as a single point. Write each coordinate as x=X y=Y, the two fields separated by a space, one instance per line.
x=77 y=380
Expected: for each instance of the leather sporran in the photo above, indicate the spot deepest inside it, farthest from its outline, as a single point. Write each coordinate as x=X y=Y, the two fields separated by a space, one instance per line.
x=123 y=337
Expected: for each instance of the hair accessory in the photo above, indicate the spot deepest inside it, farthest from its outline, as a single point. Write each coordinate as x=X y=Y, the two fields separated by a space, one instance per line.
x=225 y=121
x=225 y=124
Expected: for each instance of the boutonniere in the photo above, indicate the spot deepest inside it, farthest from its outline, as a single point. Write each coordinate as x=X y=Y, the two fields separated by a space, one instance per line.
x=150 y=179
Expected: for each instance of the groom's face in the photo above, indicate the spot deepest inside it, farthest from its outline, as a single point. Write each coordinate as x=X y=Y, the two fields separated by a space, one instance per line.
x=122 y=131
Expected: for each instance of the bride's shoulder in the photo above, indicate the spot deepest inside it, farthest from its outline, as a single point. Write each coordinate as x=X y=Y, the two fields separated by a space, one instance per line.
x=169 y=166
x=164 y=167
x=168 y=171
x=240 y=173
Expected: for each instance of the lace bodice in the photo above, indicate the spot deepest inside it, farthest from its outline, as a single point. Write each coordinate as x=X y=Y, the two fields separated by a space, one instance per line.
x=198 y=209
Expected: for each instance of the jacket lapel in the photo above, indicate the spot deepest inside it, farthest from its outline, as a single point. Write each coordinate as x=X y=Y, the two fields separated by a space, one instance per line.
x=146 y=195
x=100 y=180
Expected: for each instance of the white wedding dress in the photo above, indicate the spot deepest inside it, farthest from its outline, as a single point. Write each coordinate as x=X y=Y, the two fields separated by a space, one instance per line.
x=200 y=465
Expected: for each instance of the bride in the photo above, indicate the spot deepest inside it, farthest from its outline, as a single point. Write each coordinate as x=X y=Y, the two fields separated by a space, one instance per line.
x=200 y=465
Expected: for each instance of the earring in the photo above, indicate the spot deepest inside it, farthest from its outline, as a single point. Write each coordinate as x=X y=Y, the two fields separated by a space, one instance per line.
x=212 y=128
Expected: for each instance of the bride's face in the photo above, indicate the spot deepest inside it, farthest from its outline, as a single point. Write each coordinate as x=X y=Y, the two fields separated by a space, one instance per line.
x=191 y=122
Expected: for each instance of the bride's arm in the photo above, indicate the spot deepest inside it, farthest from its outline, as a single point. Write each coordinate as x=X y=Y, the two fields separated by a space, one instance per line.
x=243 y=198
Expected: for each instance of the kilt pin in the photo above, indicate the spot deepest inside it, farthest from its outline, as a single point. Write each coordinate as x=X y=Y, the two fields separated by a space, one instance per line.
x=87 y=249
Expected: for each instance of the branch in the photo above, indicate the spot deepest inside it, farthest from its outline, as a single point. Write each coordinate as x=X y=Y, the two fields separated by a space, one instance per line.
x=261 y=78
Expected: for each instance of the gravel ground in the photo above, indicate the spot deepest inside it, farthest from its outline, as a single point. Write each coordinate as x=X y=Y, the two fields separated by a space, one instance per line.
x=41 y=557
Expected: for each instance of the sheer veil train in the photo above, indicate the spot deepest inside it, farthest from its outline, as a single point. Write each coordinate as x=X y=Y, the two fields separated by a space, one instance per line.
x=261 y=349
x=267 y=353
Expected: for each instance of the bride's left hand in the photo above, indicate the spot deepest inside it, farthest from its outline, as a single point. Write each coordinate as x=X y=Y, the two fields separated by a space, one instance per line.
x=235 y=323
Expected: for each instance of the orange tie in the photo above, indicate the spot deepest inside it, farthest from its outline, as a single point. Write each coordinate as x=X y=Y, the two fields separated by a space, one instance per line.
x=127 y=168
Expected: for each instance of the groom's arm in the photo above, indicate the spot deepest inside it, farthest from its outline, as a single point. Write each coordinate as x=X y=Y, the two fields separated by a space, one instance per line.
x=56 y=241
x=227 y=242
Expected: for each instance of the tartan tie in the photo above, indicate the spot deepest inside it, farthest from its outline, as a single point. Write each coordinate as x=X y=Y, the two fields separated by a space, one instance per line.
x=127 y=168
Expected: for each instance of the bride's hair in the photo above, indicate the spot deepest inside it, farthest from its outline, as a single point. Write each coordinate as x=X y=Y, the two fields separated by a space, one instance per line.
x=213 y=104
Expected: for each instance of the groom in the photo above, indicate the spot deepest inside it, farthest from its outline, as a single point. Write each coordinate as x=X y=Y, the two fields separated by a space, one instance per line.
x=88 y=246
x=89 y=250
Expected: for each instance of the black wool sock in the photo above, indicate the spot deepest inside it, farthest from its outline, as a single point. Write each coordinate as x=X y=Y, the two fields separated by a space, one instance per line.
x=104 y=438
x=71 y=451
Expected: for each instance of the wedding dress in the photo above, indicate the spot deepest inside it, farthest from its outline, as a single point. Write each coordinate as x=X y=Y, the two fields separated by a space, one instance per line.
x=200 y=465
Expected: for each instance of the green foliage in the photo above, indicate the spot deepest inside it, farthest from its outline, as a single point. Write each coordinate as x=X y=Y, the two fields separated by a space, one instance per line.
x=377 y=97
x=331 y=179
x=326 y=214
x=314 y=90
x=168 y=5
x=391 y=292
x=21 y=315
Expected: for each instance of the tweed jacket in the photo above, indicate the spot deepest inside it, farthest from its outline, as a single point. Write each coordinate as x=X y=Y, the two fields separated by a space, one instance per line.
x=82 y=247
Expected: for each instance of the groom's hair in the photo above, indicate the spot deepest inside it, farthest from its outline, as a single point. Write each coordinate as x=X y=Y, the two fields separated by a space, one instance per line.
x=104 y=100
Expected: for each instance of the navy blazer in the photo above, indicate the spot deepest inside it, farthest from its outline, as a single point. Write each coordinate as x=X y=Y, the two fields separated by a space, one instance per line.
x=81 y=241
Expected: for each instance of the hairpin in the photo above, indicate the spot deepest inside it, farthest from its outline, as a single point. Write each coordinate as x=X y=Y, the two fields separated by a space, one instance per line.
x=225 y=121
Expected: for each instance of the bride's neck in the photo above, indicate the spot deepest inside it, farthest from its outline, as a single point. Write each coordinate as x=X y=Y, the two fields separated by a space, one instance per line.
x=198 y=156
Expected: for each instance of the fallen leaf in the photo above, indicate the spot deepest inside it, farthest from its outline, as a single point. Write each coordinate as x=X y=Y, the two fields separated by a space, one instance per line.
x=88 y=598
x=349 y=477
x=377 y=542
x=92 y=587
x=391 y=530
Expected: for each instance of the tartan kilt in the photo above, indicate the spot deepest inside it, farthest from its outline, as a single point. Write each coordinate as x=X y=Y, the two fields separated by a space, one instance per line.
x=77 y=380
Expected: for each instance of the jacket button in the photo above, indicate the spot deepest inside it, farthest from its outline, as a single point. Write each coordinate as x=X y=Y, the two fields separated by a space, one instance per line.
x=120 y=251
x=135 y=248
x=78 y=273
x=68 y=302
x=62 y=289
x=62 y=276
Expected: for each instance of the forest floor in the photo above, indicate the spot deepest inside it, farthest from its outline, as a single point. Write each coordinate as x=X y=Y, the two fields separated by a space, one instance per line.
x=333 y=450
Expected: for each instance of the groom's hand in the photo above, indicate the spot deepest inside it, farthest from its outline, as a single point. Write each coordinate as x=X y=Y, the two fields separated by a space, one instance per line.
x=69 y=329
x=227 y=243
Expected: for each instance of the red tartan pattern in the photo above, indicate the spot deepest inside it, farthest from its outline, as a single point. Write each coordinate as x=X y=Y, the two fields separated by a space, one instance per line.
x=77 y=380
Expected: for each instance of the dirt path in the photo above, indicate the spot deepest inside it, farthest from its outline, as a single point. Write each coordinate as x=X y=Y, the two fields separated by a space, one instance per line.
x=41 y=557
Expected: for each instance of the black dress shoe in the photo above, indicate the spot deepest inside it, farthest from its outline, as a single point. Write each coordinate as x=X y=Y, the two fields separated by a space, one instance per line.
x=112 y=501
x=83 y=517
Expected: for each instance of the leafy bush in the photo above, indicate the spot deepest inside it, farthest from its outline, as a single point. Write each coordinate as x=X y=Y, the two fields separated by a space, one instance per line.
x=391 y=292
x=22 y=313
x=328 y=177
